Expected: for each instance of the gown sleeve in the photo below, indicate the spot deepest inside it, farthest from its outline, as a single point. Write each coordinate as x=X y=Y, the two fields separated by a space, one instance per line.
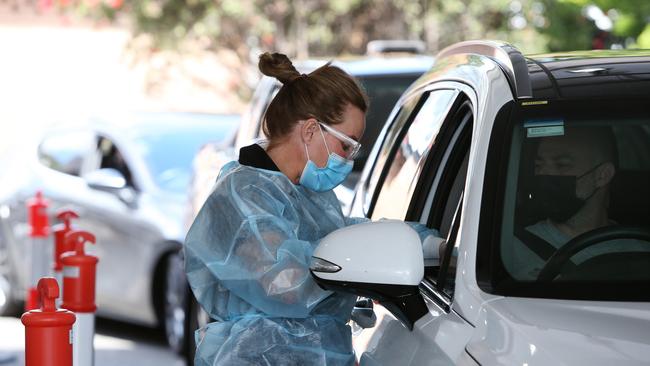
x=244 y=241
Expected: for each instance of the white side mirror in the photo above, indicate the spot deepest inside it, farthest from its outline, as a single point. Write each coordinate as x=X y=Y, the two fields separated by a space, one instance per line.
x=381 y=260
x=384 y=252
x=105 y=179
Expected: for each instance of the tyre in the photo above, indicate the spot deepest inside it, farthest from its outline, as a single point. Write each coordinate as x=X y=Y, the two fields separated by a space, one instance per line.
x=8 y=305
x=176 y=305
x=198 y=319
x=182 y=314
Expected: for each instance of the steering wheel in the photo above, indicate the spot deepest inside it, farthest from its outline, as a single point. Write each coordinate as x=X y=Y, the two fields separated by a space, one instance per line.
x=553 y=267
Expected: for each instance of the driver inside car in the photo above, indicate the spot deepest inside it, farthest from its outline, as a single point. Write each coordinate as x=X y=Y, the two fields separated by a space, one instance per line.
x=570 y=192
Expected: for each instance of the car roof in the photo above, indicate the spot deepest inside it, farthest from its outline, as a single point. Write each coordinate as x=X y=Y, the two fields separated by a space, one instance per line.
x=578 y=74
x=590 y=73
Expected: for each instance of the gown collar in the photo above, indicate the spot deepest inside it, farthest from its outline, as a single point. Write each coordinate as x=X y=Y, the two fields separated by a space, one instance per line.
x=255 y=156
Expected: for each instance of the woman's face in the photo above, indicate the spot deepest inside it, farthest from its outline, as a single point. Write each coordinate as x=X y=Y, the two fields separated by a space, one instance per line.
x=353 y=125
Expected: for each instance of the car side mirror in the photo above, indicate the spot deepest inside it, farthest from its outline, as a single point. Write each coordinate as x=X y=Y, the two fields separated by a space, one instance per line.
x=381 y=260
x=112 y=181
x=105 y=179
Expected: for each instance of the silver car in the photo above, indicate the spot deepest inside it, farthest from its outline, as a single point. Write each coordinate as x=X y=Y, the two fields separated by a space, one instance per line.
x=127 y=179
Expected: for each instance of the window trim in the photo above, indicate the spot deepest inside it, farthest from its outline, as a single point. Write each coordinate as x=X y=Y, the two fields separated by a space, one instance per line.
x=429 y=290
x=453 y=135
x=443 y=273
x=457 y=149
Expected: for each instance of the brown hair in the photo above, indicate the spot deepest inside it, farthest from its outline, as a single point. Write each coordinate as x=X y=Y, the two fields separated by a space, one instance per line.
x=321 y=94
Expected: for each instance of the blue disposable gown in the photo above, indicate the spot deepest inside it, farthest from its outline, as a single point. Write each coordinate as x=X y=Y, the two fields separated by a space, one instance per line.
x=247 y=260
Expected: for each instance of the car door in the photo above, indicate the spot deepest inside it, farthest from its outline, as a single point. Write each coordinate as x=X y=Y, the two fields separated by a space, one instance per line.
x=55 y=171
x=124 y=236
x=422 y=180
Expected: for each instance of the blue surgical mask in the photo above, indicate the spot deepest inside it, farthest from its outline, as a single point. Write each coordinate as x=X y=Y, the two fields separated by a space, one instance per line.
x=325 y=178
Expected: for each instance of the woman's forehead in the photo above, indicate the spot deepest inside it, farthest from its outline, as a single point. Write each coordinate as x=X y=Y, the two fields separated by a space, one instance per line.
x=354 y=122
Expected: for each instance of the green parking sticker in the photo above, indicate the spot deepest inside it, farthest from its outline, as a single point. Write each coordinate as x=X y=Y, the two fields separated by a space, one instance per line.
x=544 y=128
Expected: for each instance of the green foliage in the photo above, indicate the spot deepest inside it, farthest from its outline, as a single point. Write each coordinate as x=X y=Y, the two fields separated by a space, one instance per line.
x=630 y=16
x=627 y=25
x=644 y=38
x=327 y=27
x=566 y=27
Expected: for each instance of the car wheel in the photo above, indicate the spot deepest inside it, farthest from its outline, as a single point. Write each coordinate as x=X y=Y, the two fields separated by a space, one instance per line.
x=8 y=305
x=176 y=305
x=198 y=319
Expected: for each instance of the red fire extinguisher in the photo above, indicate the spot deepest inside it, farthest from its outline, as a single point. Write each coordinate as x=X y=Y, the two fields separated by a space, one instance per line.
x=48 y=331
x=79 y=273
x=38 y=220
x=60 y=245
x=79 y=294
x=38 y=251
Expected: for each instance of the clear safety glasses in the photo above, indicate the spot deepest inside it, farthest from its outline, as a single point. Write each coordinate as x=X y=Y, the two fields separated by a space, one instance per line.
x=350 y=146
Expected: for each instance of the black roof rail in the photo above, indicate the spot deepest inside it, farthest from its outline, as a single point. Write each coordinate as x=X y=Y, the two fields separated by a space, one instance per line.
x=505 y=54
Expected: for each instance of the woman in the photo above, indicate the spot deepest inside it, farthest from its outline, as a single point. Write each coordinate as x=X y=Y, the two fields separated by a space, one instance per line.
x=249 y=249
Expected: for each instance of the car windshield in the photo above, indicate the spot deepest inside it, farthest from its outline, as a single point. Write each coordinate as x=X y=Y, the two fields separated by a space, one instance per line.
x=576 y=203
x=168 y=148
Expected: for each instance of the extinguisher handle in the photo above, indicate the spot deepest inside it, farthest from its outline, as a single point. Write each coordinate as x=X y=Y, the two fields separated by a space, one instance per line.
x=48 y=288
x=78 y=238
x=66 y=216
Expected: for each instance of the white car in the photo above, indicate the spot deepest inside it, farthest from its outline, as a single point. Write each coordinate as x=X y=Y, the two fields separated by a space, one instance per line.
x=535 y=171
x=126 y=175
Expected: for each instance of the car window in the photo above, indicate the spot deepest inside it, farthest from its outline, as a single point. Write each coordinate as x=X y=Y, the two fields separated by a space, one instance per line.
x=383 y=92
x=258 y=133
x=573 y=217
x=572 y=180
x=65 y=151
x=109 y=156
x=251 y=122
x=404 y=168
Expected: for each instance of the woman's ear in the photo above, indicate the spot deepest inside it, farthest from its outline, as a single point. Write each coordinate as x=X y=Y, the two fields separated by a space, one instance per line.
x=308 y=130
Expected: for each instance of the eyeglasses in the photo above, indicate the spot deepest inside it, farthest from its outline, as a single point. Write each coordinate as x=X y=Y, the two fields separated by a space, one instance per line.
x=350 y=146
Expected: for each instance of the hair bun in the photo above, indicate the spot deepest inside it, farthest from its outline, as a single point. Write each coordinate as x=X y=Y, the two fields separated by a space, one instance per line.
x=279 y=66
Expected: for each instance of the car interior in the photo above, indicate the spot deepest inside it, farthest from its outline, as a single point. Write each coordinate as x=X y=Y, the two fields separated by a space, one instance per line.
x=620 y=256
x=111 y=157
